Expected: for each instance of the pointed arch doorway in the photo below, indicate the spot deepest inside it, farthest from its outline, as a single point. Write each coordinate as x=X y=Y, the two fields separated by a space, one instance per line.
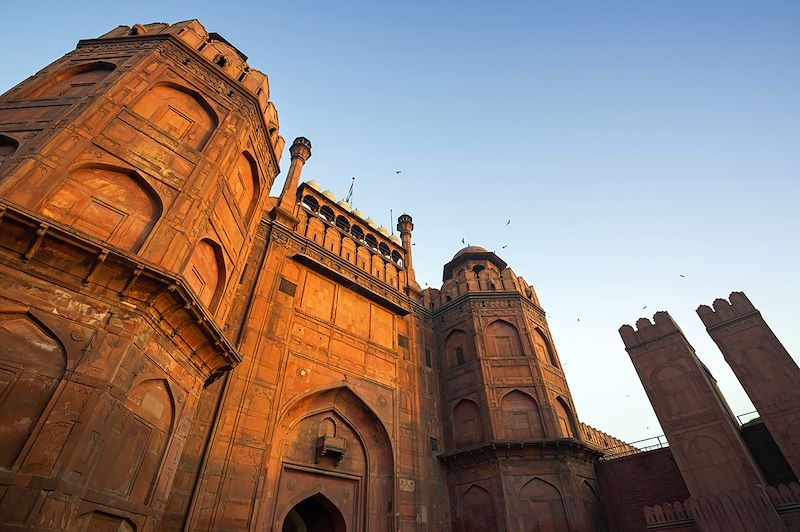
x=314 y=514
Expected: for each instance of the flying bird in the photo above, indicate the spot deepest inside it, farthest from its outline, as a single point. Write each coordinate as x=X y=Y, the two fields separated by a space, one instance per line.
x=462 y=241
x=508 y=222
x=504 y=247
x=644 y=307
x=683 y=276
x=398 y=171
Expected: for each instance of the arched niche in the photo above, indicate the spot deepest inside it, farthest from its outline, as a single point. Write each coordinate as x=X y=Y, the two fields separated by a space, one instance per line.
x=521 y=419
x=32 y=363
x=502 y=340
x=180 y=112
x=142 y=428
x=566 y=421
x=316 y=513
x=205 y=272
x=112 y=204
x=73 y=82
x=8 y=146
x=245 y=185
x=542 y=504
x=102 y=521
x=477 y=510
x=467 y=425
x=541 y=345
x=674 y=390
x=456 y=347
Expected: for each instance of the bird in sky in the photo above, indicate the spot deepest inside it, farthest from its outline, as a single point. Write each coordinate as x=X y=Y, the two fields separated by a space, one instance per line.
x=504 y=247
x=398 y=171
x=644 y=307
x=462 y=241
x=683 y=276
x=508 y=222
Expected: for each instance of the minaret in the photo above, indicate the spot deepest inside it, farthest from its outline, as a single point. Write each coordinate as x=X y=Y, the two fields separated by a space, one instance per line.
x=405 y=225
x=284 y=210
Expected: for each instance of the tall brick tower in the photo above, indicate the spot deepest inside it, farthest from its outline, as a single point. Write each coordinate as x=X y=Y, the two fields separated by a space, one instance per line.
x=514 y=450
x=133 y=173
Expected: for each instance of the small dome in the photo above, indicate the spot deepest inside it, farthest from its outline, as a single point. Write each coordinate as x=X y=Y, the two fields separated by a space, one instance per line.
x=343 y=204
x=396 y=240
x=470 y=249
x=358 y=213
x=330 y=195
x=382 y=230
x=371 y=222
x=313 y=184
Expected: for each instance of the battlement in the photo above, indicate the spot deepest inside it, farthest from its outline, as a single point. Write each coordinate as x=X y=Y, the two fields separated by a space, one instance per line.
x=647 y=331
x=604 y=441
x=218 y=52
x=724 y=311
x=478 y=279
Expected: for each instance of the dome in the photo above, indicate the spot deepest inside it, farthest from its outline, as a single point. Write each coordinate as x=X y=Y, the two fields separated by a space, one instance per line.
x=382 y=230
x=358 y=213
x=471 y=249
x=330 y=195
x=343 y=204
x=371 y=222
x=396 y=240
x=313 y=184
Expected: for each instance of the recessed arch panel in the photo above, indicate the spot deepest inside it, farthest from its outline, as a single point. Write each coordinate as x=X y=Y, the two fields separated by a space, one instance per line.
x=477 y=510
x=245 y=185
x=467 y=425
x=74 y=81
x=566 y=421
x=502 y=340
x=112 y=204
x=180 y=112
x=521 y=418
x=205 y=272
x=542 y=504
x=32 y=362
x=8 y=146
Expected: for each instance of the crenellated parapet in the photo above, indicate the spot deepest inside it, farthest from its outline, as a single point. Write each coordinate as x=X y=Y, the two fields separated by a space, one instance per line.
x=216 y=50
x=473 y=270
x=647 y=331
x=600 y=440
x=724 y=311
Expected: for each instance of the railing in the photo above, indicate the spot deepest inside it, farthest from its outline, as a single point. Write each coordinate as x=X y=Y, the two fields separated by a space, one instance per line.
x=659 y=442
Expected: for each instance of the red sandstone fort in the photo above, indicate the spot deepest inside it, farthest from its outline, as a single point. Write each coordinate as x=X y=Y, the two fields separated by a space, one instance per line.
x=181 y=351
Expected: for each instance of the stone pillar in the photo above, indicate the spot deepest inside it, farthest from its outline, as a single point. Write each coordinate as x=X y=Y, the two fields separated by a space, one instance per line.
x=405 y=225
x=726 y=486
x=767 y=372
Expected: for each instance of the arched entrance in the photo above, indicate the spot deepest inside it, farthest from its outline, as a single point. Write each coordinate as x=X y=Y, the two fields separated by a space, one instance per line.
x=332 y=450
x=314 y=514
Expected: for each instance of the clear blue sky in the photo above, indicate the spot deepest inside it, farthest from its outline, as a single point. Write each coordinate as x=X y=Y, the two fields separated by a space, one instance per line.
x=629 y=143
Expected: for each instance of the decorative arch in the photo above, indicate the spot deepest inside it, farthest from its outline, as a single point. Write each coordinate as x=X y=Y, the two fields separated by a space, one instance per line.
x=99 y=520
x=180 y=112
x=566 y=421
x=74 y=81
x=8 y=146
x=467 y=424
x=544 y=350
x=675 y=391
x=477 y=510
x=113 y=204
x=542 y=503
x=520 y=417
x=456 y=347
x=143 y=429
x=245 y=185
x=205 y=272
x=310 y=203
x=32 y=363
x=502 y=339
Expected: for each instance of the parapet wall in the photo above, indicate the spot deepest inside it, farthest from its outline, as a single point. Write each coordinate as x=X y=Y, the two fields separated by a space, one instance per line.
x=724 y=311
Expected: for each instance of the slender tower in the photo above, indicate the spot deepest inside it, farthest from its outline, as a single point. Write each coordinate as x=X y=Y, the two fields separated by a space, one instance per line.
x=514 y=453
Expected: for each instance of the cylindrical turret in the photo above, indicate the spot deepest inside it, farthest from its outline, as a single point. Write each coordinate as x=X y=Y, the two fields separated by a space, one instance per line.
x=405 y=225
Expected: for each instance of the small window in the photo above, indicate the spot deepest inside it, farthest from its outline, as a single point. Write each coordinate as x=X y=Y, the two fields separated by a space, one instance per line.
x=428 y=357
x=357 y=232
x=384 y=249
x=310 y=203
x=327 y=214
x=459 y=356
x=371 y=241
x=402 y=341
x=287 y=287
x=434 y=444
x=342 y=223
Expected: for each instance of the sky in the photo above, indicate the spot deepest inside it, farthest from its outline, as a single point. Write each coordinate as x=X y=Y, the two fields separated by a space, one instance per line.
x=647 y=154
